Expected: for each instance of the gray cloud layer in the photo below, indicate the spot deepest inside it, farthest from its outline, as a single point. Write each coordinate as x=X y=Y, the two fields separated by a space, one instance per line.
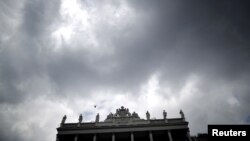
x=58 y=58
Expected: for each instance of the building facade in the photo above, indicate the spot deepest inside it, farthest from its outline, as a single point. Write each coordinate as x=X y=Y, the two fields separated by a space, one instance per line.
x=125 y=126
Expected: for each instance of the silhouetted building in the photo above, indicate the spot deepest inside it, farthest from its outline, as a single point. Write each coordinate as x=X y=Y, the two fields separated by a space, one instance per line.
x=125 y=126
x=201 y=137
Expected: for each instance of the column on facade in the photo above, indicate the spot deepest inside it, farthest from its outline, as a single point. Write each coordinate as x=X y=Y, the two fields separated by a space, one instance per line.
x=76 y=138
x=132 y=136
x=188 y=135
x=170 y=136
x=94 y=137
x=151 y=136
x=57 y=137
x=113 y=137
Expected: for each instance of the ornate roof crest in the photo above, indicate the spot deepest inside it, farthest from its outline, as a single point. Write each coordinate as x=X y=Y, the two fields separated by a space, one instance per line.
x=122 y=113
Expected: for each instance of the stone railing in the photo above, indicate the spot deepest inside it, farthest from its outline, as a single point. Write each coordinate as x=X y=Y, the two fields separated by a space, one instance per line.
x=140 y=122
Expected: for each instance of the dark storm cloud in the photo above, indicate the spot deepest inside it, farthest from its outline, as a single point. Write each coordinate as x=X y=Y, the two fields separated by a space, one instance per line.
x=38 y=16
x=178 y=39
x=206 y=36
x=20 y=58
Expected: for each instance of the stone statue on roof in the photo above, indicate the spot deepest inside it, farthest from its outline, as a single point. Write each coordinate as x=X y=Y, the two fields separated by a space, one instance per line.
x=110 y=115
x=182 y=114
x=97 y=117
x=64 y=119
x=135 y=115
x=164 y=114
x=80 y=118
x=129 y=114
x=148 y=115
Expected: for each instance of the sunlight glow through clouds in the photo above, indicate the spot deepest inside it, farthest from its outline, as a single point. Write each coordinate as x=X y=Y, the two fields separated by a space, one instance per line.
x=149 y=91
x=149 y=98
x=73 y=18
x=189 y=88
x=82 y=23
x=152 y=94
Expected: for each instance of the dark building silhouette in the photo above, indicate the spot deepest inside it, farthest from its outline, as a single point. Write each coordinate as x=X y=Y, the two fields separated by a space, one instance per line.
x=200 y=137
x=125 y=126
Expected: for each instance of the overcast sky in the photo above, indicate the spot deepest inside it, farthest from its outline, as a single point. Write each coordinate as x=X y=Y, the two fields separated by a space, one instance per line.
x=64 y=57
